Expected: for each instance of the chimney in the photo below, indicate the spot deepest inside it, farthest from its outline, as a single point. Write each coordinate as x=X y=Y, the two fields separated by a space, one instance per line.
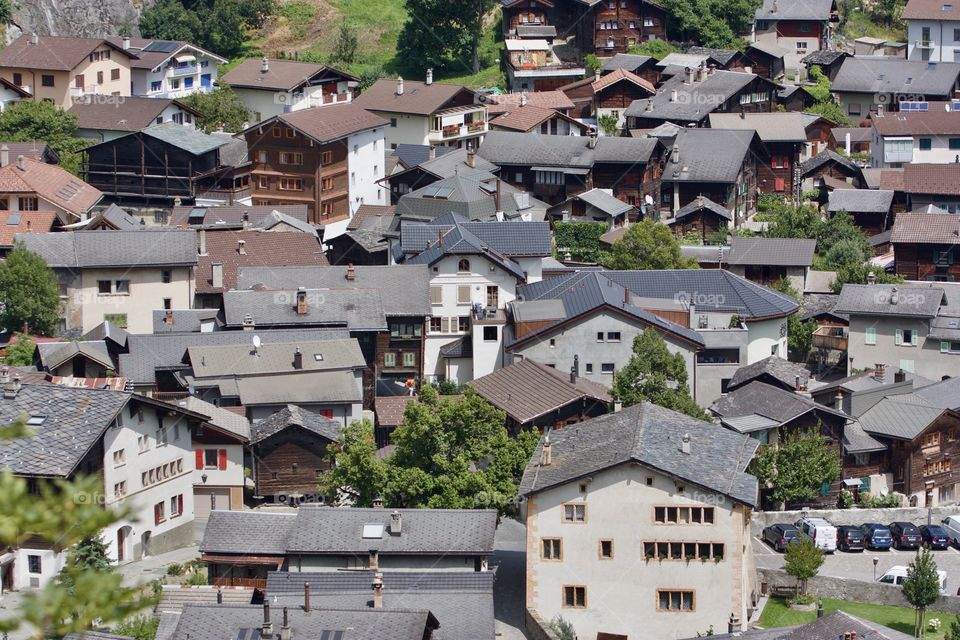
x=880 y=110
x=649 y=105
x=242 y=247
x=702 y=72
x=301 y=301
x=4 y=156
x=396 y=523
x=219 y=596
x=900 y=376
x=168 y=317
x=685 y=444
x=351 y=273
x=373 y=562
x=216 y=275
x=675 y=154
x=203 y=242
x=429 y=77
x=894 y=296
x=285 y=627
x=306 y=597
x=267 y=625
x=432 y=153
x=34 y=38
x=399 y=85
x=497 y=201
x=264 y=65
x=378 y=503
x=617 y=405
x=712 y=70
x=575 y=369
x=871 y=278
x=248 y=324
x=4 y=374
x=878 y=371
x=472 y=159
x=733 y=623
x=626 y=296
x=439 y=237
x=838 y=399
x=12 y=388
x=523 y=99
x=298 y=358
x=126 y=43
x=846 y=142
x=546 y=453
x=689 y=74
x=796 y=384
x=673 y=95
x=20 y=164
x=743 y=114
x=246 y=219
x=377 y=591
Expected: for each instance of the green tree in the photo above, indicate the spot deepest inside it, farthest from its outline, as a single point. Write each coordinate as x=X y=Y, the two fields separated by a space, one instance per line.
x=218 y=25
x=823 y=102
x=646 y=245
x=799 y=332
x=29 y=120
x=656 y=375
x=609 y=123
x=356 y=473
x=803 y=561
x=797 y=467
x=29 y=293
x=658 y=49
x=592 y=63
x=88 y=555
x=20 y=353
x=140 y=627
x=921 y=587
x=443 y=35
x=788 y=220
x=859 y=273
x=169 y=20
x=580 y=239
x=563 y=629
x=712 y=23
x=345 y=48
x=221 y=107
x=6 y=11
x=841 y=228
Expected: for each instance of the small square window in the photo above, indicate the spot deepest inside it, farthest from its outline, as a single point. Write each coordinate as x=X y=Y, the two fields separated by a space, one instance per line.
x=599 y=336
x=649 y=481
x=926 y=144
x=613 y=336
x=34 y=564
x=104 y=287
x=552 y=549
x=606 y=549
x=607 y=368
x=588 y=367
x=123 y=287
x=490 y=334
x=575 y=597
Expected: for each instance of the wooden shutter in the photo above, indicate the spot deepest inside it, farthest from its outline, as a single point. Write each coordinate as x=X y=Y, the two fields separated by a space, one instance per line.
x=222 y=459
x=914 y=338
x=180 y=504
x=199 y=458
x=944 y=346
x=778 y=184
x=326 y=413
x=156 y=513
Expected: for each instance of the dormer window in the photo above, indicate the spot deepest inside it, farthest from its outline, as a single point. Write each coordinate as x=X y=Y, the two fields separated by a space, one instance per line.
x=463 y=266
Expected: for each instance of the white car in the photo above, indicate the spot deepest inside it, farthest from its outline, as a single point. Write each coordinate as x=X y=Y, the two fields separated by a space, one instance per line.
x=952 y=525
x=819 y=531
x=898 y=573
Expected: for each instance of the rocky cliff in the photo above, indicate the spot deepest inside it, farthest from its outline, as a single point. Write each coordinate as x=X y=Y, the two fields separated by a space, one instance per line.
x=76 y=17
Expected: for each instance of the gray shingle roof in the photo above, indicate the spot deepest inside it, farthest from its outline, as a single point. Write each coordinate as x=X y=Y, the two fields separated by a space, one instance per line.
x=771 y=127
x=403 y=290
x=859 y=74
x=218 y=417
x=510 y=148
x=509 y=239
x=783 y=371
x=462 y=601
x=294 y=416
x=53 y=354
x=354 y=309
x=827 y=155
x=600 y=199
x=698 y=99
x=473 y=197
x=247 y=532
x=651 y=435
x=791 y=252
x=856 y=440
x=84 y=249
x=627 y=61
x=709 y=155
x=796 y=10
x=889 y=300
x=74 y=420
x=762 y=399
x=190 y=140
x=240 y=360
x=457 y=240
x=901 y=416
x=701 y=203
x=412 y=155
x=860 y=200
x=181 y=320
x=945 y=394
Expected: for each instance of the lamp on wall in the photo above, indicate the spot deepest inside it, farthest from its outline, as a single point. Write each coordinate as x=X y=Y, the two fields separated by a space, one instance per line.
x=203 y=477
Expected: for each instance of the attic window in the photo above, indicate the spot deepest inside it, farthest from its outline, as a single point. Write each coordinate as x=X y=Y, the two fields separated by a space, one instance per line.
x=318 y=357
x=36 y=421
x=948 y=7
x=14 y=219
x=372 y=531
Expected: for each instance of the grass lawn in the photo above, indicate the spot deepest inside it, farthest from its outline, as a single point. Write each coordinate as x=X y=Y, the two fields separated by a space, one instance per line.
x=778 y=614
x=860 y=25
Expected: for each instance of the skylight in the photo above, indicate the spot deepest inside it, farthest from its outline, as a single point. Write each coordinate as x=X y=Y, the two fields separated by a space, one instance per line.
x=36 y=421
x=372 y=531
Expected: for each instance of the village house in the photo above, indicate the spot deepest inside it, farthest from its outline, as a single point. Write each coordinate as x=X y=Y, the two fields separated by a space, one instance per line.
x=608 y=28
x=169 y=68
x=764 y=261
x=926 y=246
x=798 y=28
x=866 y=85
x=537 y=120
x=330 y=159
x=642 y=66
x=30 y=185
x=933 y=31
x=871 y=209
x=533 y=65
x=365 y=241
x=701 y=217
x=614 y=92
x=133 y=114
x=528 y=19
x=930 y=136
x=923 y=186
x=419 y=166
x=596 y=205
x=784 y=135
x=829 y=170
x=270 y=88
x=642 y=485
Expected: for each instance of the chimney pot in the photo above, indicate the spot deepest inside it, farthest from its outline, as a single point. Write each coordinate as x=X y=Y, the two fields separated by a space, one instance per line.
x=34 y=38
x=871 y=278
x=168 y=317
x=432 y=153
x=203 y=241
x=685 y=444
x=899 y=376
x=396 y=523
x=298 y=358
x=472 y=159
x=378 y=503
x=301 y=301
x=4 y=374
x=126 y=43
x=21 y=164
x=429 y=77
x=242 y=247
x=4 y=155
x=285 y=627
x=351 y=272
x=399 y=85
x=306 y=597
x=878 y=370
x=267 y=630
x=264 y=65
x=377 y=591
x=546 y=453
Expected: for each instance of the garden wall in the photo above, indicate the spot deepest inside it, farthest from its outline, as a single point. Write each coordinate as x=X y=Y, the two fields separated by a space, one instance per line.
x=855 y=516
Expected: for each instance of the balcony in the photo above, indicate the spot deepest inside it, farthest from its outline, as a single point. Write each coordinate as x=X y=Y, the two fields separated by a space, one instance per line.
x=452 y=132
x=189 y=70
x=560 y=69
x=488 y=315
x=830 y=338
x=925 y=44
x=181 y=92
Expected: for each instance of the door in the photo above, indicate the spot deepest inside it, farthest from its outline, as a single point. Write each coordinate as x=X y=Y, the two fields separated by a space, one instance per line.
x=121 y=541
x=207 y=499
x=205 y=80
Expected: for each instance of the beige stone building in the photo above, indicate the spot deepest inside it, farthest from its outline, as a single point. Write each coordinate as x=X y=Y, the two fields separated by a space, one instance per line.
x=638 y=526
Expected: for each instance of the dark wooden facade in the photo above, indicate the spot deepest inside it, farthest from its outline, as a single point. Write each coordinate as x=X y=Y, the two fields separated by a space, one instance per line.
x=779 y=174
x=759 y=86
x=763 y=64
x=612 y=26
x=924 y=464
x=289 y=462
x=915 y=261
x=631 y=182
x=619 y=95
x=526 y=13
x=872 y=222
x=290 y=168
x=703 y=222
x=834 y=169
x=581 y=94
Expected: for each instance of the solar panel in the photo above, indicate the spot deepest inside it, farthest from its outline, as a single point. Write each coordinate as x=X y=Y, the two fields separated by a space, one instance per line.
x=14 y=219
x=197 y=213
x=910 y=105
x=161 y=46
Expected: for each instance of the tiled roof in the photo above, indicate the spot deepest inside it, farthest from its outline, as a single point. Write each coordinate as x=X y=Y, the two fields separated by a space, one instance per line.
x=247 y=532
x=173 y=597
x=283 y=75
x=293 y=416
x=601 y=199
x=791 y=252
x=354 y=309
x=856 y=440
x=390 y=409
x=828 y=155
x=402 y=289
x=511 y=148
x=509 y=239
x=798 y=10
x=824 y=56
x=14 y=222
x=698 y=204
x=857 y=134
x=457 y=240
x=621 y=74
x=651 y=436
x=412 y=155
x=933 y=179
x=88 y=249
x=768 y=401
x=627 y=61
x=555 y=99
x=54 y=354
x=859 y=74
x=226 y=361
x=906 y=123
x=260 y=249
x=930 y=10
x=130 y=114
x=783 y=371
x=889 y=300
x=418 y=98
x=50 y=182
x=924 y=228
x=945 y=394
x=193 y=141
x=771 y=127
x=527 y=390
x=709 y=155
x=232 y=214
x=334 y=122
x=713 y=90
x=35 y=149
x=720 y=56
x=473 y=197
x=160 y=51
x=524 y=118
x=359 y=219
x=900 y=416
x=52 y=53
x=218 y=416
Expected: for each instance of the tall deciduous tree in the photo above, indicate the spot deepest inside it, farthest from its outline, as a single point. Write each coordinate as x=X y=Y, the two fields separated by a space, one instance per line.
x=656 y=375
x=221 y=107
x=357 y=474
x=646 y=245
x=921 y=587
x=442 y=34
x=797 y=467
x=38 y=120
x=29 y=293
x=799 y=332
x=803 y=561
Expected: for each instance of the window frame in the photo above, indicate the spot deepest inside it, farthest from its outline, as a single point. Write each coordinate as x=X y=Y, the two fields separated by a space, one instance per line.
x=680 y=592
x=556 y=548
x=576 y=589
x=573 y=506
x=600 y=554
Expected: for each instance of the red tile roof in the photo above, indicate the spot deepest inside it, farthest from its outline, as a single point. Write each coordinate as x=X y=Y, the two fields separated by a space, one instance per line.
x=930 y=228
x=941 y=179
x=51 y=183
x=930 y=10
x=25 y=222
x=326 y=124
x=390 y=409
x=284 y=75
x=936 y=121
x=622 y=74
x=544 y=99
x=523 y=118
x=891 y=179
x=53 y=53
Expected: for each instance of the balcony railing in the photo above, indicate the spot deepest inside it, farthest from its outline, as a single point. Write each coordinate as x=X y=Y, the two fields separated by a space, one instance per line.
x=926 y=44
x=188 y=70
x=457 y=131
x=830 y=338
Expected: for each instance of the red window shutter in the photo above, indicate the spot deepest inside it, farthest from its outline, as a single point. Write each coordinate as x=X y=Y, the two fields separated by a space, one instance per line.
x=786 y=162
x=773 y=162
x=778 y=184
x=326 y=413
x=199 y=458
x=156 y=514
x=223 y=459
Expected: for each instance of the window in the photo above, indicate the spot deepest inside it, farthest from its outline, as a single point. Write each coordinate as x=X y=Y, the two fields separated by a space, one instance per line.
x=276 y=132
x=28 y=204
x=18 y=79
x=954 y=144
x=120 y=489
x=463 y=324
x=290 y=133
x=930 y=439
x=718 y=356
x=674 y=600
x=575 y=513
x=552 y=549
x=463 y=294
x=46 y=80
x=607 y=368
x=389 y=359
x=263 y=182
x=906 y=337
x=463 y=266
x=115 y=74
x=925 y=144
x=176 y=506
x=436 y=295
x=613 y=336
x=606 y=549
x=326 y=184
x=159 y=513
x=935 y=467
x=123 y=287
x=949 y=347
x=287 y=157
x=34 y=565
x=490 y=334
x=409 y=359
x=599 y=336
x=870 y=335
x=165 y=276
x=393 y=122
x=575 y=597
x=99 y=77
x=210 y=458
x=683 y=515
x=104 y=287
x=156 y=85
x=588 y=367
x=493 y=296
x=854 y=108
x=326 y=157
x=143 y=443
x=291 y=184
x=801 y=46
x=549 y=177
x=119 y=457
x=435 y=325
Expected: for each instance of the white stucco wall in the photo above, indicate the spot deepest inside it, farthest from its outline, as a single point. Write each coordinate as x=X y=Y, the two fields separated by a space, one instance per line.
x=767 y=338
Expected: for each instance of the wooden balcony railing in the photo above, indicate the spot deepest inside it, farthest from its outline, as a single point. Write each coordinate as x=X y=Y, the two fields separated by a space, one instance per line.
x=254 y=583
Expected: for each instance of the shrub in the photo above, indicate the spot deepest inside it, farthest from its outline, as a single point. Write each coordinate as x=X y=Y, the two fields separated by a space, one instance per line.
x=846 y=499
x=197 y=579
x=175 y=569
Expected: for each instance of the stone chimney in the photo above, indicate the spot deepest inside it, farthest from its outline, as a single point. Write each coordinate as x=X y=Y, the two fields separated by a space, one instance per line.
x=649 y=105
x=21 y=164
x=168 y=317
x=267 y=630
x=673 y=96
x=245 y=219
x=34 y=38
x=373 y=560
x=575 y=369
x=248 y=323
x=472 y=159
x=702 y=72
x=216 y=275
x=377 y=591
x=546 y=453
x=203 y=242
x=242 y=247
x=12 y=388
x=399 y=85
x=306 y=597
x=685 y=444
x=675 y=154
x=264 y=65
x=592 y=141
x=285 y=627
x=871 y=278
x=351 y=273
x=524 y=99
x=689 y=75
x=617 y=405
x=4 y=155
x=878 y=371
x=126 y=43
x=429 y=77
x=301 y=301
x=396 y=523
x=894 y=296
x=378 y=503
x=432 y=153
x=4 y=374
x=298 y=358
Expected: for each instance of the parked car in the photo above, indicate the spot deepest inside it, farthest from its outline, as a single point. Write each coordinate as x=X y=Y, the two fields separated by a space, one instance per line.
x=952 y=525
x=898 y=573
x=905 y=535
x=779 y=535
x=876 y=536
x=819 y=531
x=935 y=536
x=849 y=538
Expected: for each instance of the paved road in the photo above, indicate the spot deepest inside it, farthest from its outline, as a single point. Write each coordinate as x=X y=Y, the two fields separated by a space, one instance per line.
x=508 y=592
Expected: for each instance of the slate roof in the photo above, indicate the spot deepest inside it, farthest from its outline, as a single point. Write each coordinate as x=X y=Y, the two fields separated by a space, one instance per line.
x=720 y=56
x=92 y=249
x=630 y=62
x=173 y=597
x=150 y=59
x=117 y=218
x=536 y=31
x=297 y=388
x=53 y=53
x=403 y=290
x=860 y=200
x=193 y=141
x=95 y=635
x=901 y=416
x=700 y=98
x=880 y=299
x=824 y=56
x=390 y=409
x=554 y=99
x=260 y=249
x=333 y=122
x=352 y=308
x=462 y=601
x=650 y=435
x=930 y=10
x=792 y=252
x=815 y=304
x=767 y=401
x=526 y=390
x=733 y=293
x=830 y=627
x=937 y=179
x=884 y=74
x=709 y=155
x=698 y=204
x=798 y=10
x=460 y=241
x=54 y=354
x=856 y=440
x=227 y=215
x=509 y=239
x=294 y=416
x=412 y=155
x=604 y=201
x=771 y=127
x=783 y=371
x=944 y=394
x=248 y=532
x=857 y=134
x=217 y=416
x=418 y=97
x=50 y=182
x=510 y=148
x=284 y=75
x=242 y=360
x=827 y=155
x=471 y=196
x=13 y=223
x=459 y=348
x=214 y=622
x=75 y=420
x=132 y=113
x=277 y=218
x=453 y=163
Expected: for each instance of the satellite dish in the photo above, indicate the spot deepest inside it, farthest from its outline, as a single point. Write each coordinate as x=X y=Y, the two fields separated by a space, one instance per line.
x=648 y=199
x=256 y=342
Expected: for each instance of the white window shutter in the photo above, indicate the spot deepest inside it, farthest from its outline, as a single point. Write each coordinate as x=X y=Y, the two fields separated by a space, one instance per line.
x=914 y=337
x=898 y=337
x=944 y=346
